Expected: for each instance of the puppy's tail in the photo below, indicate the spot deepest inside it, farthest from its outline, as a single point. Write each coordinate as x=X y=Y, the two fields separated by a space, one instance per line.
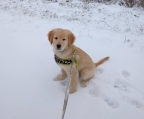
x=101 y=61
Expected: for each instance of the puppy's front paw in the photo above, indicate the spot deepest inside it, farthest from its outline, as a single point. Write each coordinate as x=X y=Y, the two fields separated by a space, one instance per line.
x=55 y=79
x=59 y=78
x=72 y=91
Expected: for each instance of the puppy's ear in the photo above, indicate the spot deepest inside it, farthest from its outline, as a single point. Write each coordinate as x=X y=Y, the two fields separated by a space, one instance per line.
x=71 y=38
x=50 y=36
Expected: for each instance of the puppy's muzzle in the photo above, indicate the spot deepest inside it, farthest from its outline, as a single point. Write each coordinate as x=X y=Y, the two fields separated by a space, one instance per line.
x=58 y=46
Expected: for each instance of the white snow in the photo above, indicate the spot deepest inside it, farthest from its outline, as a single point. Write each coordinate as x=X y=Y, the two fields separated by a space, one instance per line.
x=27 y=66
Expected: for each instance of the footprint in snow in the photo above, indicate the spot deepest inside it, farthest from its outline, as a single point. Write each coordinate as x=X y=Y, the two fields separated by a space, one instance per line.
x=99 y=71
x=112 y=103
x=125 y=73
x=135 y=102
x=93 y=89
x=121 y=85
x=129 y=93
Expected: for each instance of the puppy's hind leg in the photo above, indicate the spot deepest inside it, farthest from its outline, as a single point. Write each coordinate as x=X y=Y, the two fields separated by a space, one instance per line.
x=86 y=74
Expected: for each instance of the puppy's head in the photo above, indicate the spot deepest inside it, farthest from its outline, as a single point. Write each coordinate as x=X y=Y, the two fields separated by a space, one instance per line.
x=61 y=39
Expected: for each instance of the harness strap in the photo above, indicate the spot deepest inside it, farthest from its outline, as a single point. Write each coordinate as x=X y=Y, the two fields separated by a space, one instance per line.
x=75 y=60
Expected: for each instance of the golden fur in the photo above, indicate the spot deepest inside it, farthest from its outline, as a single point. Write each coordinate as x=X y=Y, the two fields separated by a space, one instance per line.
x=65 y=39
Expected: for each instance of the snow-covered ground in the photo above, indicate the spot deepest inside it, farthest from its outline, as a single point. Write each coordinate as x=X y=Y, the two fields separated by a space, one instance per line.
x=27 y=66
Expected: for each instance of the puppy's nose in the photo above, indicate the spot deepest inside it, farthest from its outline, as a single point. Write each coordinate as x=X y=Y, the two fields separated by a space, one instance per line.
x=58 y=46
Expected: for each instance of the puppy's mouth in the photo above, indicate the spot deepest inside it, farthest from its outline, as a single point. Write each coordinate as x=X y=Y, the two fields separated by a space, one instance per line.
x=59 y=49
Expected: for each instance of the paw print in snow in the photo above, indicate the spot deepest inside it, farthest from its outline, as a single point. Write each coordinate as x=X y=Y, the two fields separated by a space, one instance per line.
x=137 y=103
x=93 y=90
x=99 y=71
x=125 y=73
x=123 y=86
x=110 y=102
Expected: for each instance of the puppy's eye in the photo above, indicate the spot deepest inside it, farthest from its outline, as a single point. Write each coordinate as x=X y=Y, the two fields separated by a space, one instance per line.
x=64 y=39
x=56 y=38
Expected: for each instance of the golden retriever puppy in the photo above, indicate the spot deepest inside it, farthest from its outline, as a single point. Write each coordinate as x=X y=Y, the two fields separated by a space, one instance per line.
x=62 y=41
